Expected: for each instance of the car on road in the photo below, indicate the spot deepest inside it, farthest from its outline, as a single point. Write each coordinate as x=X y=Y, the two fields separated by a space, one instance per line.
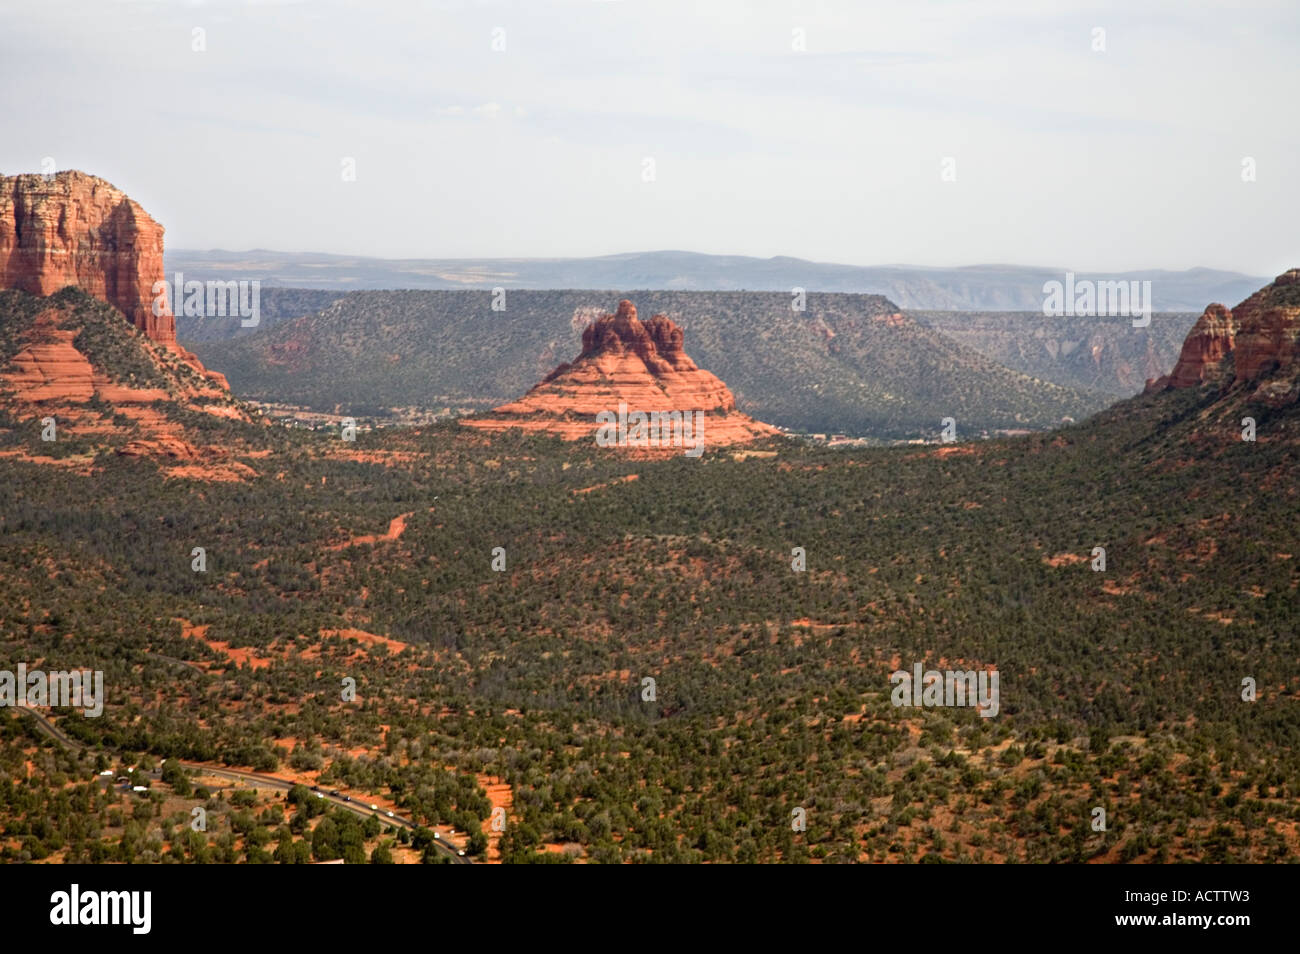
x=461 y=853
x=374 y=808
x=319 y=795
x=390 y=814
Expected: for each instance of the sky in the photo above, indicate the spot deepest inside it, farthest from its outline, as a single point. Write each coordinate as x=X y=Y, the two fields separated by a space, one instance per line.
x=1095 y=136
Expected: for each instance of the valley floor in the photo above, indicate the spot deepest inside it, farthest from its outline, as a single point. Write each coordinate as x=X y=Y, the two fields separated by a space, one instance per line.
x=619 y=660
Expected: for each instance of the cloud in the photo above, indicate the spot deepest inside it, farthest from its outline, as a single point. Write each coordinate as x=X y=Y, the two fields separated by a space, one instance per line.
x=1101 y=160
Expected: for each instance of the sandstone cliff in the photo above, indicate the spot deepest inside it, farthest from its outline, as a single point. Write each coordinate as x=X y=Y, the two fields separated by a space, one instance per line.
x=1201 y=359
x=1254 y=346
x=71 y=228
x=75 y=229
x=1268 y=329
x=639 y=364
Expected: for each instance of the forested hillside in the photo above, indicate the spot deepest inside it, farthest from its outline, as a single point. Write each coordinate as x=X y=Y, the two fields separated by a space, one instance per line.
x=1088 y=354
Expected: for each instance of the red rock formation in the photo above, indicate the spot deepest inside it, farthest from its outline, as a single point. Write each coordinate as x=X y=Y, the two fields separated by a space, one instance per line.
x=1262 y=335
x=71 y=228
x=1204 y=348
x=75 y=229
x=1268 y=329
x=639 y=364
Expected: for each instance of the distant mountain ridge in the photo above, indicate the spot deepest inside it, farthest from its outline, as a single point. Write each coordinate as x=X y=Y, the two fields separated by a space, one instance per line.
x=968 y=288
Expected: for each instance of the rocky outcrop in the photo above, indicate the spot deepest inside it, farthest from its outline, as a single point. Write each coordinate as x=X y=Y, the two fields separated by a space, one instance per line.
x=75 y=229
x=1207 y=344
x=1268 y=329
x=52 y=370
x=172 y=448
x=1255 y=345
x=71 y=228
x=639 y=365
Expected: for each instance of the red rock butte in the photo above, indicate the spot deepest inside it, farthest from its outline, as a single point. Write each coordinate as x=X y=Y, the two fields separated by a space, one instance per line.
x=639 y=364
x=1261 y=336
x=71 y=228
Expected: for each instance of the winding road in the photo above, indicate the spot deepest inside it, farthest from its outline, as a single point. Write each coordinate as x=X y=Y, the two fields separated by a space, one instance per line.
x=257 y=778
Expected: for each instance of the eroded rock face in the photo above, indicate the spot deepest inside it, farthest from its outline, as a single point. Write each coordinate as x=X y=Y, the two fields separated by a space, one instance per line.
x=1207 y=344
x=1262 y=336
x=71 y=228
x=1268 y=329
x=76 y=229
x=638 y=364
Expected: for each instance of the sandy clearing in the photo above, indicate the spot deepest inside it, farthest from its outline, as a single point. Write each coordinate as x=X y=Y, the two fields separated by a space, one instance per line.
x=501 y=796
x=237 y=657
x=396 y=527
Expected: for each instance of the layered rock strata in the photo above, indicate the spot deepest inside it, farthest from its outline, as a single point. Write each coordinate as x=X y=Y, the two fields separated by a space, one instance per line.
x=638 y=366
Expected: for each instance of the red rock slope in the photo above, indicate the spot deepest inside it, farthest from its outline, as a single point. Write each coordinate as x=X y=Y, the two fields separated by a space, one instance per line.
x=637 y=363
x=73 y=359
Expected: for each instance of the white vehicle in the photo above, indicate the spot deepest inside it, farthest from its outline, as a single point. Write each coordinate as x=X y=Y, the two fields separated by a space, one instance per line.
x=461 y=853
x=107 y=773
x=374 y=808
x=436 y=835
x=389 y=814
x=319 y=795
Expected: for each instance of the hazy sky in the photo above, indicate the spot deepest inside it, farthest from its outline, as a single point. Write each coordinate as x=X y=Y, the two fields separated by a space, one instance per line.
x=1064 y=156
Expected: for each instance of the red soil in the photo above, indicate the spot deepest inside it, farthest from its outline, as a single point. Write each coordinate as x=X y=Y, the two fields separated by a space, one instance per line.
x=396 y=527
